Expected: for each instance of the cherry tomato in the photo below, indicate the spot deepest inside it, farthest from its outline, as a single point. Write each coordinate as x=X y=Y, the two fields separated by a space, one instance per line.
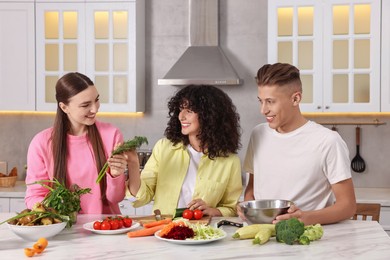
x=114 y=224
x=29 y=252
x=40 y=245
x=105 y=225
x=127 y=222
x=188 y=214
x=198 y=214
x=97 y=225
x=120 y=223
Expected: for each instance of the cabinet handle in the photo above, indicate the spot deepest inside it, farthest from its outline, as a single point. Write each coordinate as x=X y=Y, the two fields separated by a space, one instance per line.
x=318 y=107
x=327 y=107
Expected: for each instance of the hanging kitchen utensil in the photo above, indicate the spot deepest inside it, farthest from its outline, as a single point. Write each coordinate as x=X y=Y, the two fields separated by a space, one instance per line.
x=357 y=163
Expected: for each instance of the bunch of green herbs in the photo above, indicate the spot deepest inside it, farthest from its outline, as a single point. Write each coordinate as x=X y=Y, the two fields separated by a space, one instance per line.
x=129 y=145
x=37 y=215
x=65 y=201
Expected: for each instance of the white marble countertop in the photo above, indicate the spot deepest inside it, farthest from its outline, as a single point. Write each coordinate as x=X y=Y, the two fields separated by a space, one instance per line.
x=367 y=195
x=346 y=240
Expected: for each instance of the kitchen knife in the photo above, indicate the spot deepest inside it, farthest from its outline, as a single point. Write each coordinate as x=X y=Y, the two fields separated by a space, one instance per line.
x=157 y=214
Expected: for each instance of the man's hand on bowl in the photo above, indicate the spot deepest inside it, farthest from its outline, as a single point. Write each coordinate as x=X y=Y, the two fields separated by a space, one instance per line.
x=239 y=212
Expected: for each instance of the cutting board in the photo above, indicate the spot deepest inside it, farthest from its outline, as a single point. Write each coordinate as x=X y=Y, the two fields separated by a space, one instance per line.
x=146 y=219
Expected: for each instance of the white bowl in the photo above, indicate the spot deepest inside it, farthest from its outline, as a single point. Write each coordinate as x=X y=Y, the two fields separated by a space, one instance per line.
x=33 y=233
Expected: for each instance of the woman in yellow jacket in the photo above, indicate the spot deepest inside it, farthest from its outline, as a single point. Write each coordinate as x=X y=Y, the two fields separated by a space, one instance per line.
x=196 y=164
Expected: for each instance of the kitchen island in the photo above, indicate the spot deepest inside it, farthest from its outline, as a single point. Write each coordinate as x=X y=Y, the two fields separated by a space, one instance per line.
x=349 y=239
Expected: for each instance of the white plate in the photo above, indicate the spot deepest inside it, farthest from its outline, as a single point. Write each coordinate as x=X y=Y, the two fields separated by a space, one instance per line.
x=89 y=226
x=190 y=241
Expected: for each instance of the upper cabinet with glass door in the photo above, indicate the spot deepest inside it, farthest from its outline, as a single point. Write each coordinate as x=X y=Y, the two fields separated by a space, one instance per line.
x=336 y=46
x=102 y=39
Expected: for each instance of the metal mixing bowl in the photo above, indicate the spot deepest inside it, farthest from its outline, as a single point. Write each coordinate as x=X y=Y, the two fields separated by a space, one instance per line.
x=264 y=211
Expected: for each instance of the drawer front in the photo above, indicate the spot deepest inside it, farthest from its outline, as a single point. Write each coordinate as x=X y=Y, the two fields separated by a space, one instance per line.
x=145 y=210
x=384 y=218
x=17 y=205
x=126 y=208
x=4 y=204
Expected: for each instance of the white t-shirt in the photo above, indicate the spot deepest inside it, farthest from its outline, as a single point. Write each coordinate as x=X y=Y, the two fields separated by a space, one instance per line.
x=300 y=166
x=187 y=190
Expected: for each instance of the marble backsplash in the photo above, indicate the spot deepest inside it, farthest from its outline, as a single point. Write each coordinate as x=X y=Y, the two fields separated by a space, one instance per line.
x=16 y=132
x=243 y=37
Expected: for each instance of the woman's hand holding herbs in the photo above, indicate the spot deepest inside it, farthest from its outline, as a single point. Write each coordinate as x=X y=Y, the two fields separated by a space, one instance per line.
x=125 y=147
x=117 y=164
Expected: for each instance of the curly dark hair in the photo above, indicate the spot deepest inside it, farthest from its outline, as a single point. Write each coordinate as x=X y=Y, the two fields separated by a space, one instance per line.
x=220 y=130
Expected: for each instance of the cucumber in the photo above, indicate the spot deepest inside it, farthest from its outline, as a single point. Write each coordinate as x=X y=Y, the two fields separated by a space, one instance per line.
x=179 y=212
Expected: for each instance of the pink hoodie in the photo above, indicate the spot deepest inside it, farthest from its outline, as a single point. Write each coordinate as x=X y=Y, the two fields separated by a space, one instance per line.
x=81 y=169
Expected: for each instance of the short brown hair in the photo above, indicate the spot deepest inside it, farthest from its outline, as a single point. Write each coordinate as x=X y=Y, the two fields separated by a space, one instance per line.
x=279 y=74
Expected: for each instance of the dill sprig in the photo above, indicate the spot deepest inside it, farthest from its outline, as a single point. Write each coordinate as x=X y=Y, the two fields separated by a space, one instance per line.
x=132 y=144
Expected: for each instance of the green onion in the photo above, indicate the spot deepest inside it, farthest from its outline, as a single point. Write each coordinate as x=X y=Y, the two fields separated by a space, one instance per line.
x=136 y=142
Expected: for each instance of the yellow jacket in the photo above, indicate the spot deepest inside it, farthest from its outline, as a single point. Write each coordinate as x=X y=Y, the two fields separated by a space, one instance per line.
x=218 y=181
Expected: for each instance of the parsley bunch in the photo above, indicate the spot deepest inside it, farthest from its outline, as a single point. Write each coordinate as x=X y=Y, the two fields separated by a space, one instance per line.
x=65 y=201
x=136 y=142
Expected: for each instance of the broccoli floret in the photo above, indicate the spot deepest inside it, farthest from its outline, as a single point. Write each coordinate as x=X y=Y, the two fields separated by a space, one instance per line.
x=312 y=232
x=304 y=240
x=288 y=231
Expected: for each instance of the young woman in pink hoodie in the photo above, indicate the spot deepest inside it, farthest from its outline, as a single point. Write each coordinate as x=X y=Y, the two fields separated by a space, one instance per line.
x=75 y=149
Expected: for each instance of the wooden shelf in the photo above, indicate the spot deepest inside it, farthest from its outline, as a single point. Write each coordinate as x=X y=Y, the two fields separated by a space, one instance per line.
x=357 y=123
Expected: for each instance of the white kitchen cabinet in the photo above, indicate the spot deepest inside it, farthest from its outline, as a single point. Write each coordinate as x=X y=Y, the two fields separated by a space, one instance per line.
x=102 y=39
x=12 y=204
x=145 y=210
x=385 y=55
x=17 y=55
x=4 y=205
x=384 y=218
x=16 y=204
x=336 y=46
x=126 y=208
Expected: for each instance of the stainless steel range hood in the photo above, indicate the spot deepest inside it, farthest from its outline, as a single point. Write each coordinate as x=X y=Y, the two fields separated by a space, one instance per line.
x=204 y=61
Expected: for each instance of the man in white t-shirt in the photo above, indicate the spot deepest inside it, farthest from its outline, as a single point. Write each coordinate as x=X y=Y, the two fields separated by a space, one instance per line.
x=292 y=158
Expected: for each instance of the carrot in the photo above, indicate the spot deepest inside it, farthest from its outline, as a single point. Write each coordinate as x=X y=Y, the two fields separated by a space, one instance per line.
x=145 y=231
x=157 y=223
x=171 y=225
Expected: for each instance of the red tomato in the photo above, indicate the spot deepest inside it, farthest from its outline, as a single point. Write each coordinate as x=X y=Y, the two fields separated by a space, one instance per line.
x=97 y=225
x=188 y=214
x=114 y=224
x=127 y=222
x=198 y=214
x=120 y=223
x=106 y=225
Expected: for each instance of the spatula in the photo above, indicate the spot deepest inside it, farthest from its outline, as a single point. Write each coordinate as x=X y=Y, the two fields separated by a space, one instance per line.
x=357 y=163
